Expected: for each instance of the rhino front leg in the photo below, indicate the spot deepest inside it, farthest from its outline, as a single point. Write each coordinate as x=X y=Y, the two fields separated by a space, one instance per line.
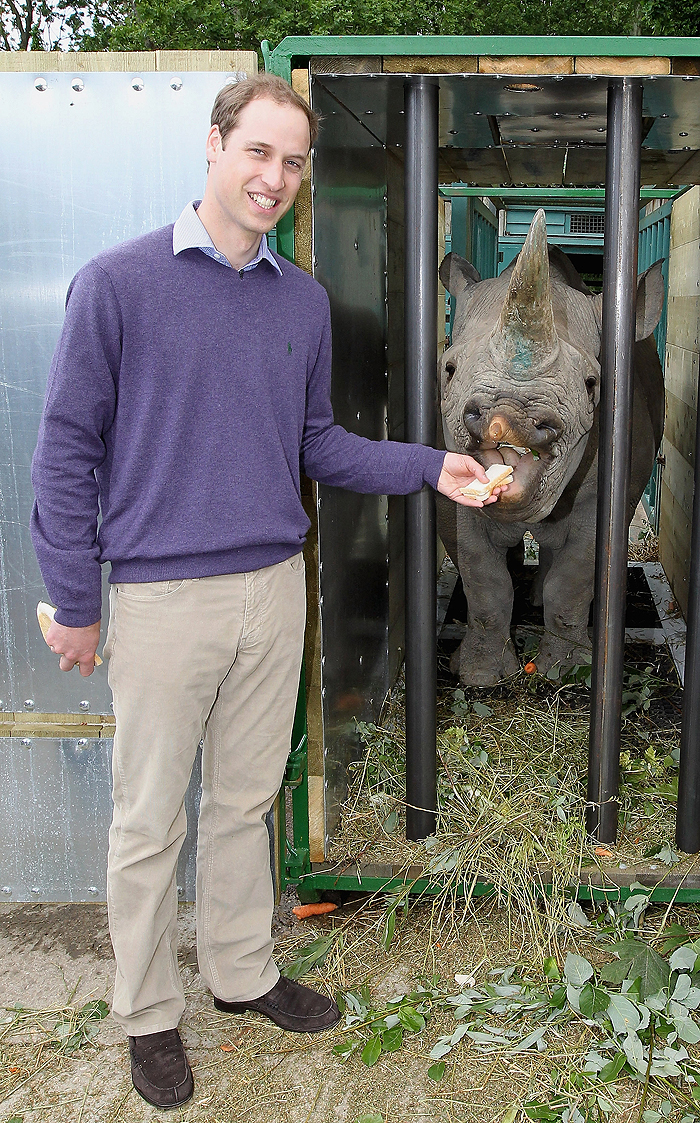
x=486 y=655
x=567 y=596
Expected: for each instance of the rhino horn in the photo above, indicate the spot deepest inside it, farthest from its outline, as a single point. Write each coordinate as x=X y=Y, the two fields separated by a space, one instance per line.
x=525 y=338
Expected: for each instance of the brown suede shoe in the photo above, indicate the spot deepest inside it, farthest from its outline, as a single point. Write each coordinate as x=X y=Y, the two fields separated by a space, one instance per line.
x=160 y=1070
x=290 y=1006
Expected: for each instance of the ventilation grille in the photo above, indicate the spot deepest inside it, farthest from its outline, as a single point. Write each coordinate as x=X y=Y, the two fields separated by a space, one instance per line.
x=587 y=224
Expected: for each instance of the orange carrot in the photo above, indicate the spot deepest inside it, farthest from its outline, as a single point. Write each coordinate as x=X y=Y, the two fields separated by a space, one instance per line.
x=602 y=852
x=530 y=668
x=302 y=911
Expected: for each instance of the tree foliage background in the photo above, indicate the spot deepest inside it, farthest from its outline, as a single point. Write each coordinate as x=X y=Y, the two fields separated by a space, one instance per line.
x=121 y=25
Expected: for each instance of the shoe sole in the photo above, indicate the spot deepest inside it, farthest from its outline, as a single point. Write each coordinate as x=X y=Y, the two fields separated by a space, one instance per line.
x=243 y=1009
x=163 y=1107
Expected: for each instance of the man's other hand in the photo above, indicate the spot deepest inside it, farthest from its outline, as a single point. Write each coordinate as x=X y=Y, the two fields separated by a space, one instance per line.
x=460 y=471
x=75 y=645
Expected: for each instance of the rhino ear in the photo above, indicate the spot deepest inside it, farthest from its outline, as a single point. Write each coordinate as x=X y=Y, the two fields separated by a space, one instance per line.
x=650 y=300
x=457 y=274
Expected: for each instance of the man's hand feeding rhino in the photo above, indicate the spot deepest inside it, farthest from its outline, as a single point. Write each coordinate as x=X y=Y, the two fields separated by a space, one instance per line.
x=520 y=385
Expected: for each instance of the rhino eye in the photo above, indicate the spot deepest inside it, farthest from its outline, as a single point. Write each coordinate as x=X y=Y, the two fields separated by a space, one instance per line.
x=449 y=371
x=591 y=384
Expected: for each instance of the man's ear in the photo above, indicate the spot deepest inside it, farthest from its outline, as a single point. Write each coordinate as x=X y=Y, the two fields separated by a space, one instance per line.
x=457 y=274
x=650 y=300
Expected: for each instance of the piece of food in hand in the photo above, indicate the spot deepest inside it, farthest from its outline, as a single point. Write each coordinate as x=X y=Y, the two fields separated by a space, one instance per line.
x=497 y=474
x=45 y=615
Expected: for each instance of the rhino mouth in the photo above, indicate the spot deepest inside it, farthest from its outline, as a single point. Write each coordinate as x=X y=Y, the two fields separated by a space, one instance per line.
x=530 y=468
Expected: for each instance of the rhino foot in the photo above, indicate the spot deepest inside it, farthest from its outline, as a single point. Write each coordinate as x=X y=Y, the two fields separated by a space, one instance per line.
x=564 y=653
x=479 y=662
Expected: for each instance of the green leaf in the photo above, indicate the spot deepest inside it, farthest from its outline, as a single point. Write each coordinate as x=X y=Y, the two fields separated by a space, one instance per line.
x=683 y=959
x=411 y=1019
x=314 y=954
x=613 y=1068
x=623 y=1014
x=372 y=1050
x=614 y=972
x=389 y=824
x=344 y=1048
x=436 y=1071
x=550 y=968
x=585 y=1001
x=577 y=970
x=392 y=1040
x=481 y=710
x=389 y=928
x=643 y=963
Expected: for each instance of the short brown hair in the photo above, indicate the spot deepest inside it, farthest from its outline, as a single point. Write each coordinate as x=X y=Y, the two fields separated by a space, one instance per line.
x=236 y=95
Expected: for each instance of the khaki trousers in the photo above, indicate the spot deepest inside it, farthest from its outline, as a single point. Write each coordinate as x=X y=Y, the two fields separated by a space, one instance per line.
x=217 y=659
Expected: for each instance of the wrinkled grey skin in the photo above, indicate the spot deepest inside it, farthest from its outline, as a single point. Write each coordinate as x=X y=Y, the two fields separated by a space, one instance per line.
x=523 y=369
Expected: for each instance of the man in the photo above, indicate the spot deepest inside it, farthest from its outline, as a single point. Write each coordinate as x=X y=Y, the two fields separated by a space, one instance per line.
x=190 y=385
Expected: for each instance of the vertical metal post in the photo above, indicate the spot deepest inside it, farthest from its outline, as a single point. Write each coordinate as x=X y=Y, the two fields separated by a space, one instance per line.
x=688 y=809
x=420 y=311
x=622 y=176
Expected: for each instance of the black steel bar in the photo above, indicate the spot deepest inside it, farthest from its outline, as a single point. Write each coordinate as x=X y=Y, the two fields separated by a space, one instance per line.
x=688 y=808
x=420 y=311
x=622 y=176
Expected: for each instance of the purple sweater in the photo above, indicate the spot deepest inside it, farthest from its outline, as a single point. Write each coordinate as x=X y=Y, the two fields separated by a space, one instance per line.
x=182 y=402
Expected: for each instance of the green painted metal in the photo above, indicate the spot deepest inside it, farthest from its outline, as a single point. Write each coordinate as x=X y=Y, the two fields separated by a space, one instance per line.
x=347 y=883
x=303 y=47
x=296 y=861
x=553 y=194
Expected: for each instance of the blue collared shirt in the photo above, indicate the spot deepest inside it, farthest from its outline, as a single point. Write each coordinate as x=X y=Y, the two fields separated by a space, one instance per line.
x=190 y=233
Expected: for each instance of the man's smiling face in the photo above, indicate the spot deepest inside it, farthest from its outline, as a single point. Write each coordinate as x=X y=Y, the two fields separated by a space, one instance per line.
x=255 y=174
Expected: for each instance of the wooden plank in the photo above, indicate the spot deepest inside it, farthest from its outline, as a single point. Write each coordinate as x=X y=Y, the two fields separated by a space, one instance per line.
x=594 y=64
x=77 y=62
x=683 y=322
x=231 y=61
x=528 y=64
x=684 y=271
x=435 y=64
x=317 y=819
x=674 y=546
x=685 y=66
x=685 y=218
x=678 y=477
x=681 y=373
x=131 y=62
x=346 y=64
x=679 y=427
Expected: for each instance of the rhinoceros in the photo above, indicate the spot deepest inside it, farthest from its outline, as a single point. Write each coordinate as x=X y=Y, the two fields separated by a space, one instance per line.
x=520 y=383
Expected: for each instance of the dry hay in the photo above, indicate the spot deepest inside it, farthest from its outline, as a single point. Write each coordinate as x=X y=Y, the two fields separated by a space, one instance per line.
x=512 y=792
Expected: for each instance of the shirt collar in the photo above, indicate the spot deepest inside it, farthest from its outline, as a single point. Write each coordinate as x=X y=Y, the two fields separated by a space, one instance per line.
x=189 y=232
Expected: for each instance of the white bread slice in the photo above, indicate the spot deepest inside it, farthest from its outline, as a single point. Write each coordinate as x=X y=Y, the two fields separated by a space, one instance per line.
x=45 y=615
x=497 y=474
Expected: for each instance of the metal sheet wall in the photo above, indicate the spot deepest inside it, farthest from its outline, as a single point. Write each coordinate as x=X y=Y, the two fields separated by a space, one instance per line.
x=55 y=810
x=350 y=261
x=82 y=169
x=86 y=161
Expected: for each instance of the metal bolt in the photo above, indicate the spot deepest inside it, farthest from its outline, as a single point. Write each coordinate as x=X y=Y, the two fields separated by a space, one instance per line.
x=176 y=84
x=35 y=891
x=29 y=703
x=93 y=890
x=682 y=134
x=85 y=705
x=137 y=84
x=41 y=85
x=26 y=741
x=82 y=742
x=7 y=890
x=180 y=891
x=78 y=85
